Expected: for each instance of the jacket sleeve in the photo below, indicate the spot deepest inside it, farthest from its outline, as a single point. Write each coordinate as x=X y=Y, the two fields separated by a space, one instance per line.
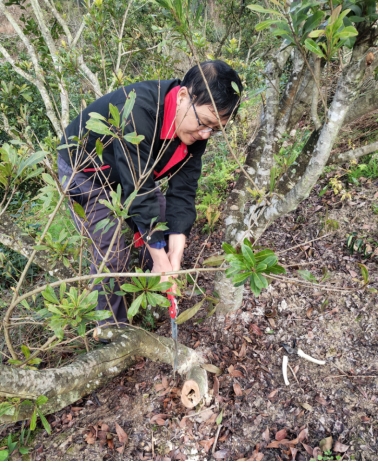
x=135 y=164
x=181 y=193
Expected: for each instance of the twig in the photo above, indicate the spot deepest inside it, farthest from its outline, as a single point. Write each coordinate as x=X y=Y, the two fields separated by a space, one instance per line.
x=297 y=281
x=292 y=371
x=216 y=438
x=114 y=275
x=302 y=264
x=198 y=413
x=304 y=243
x=352 y=376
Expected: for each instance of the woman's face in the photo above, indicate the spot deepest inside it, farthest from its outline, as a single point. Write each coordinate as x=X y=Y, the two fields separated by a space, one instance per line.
x=191 y=121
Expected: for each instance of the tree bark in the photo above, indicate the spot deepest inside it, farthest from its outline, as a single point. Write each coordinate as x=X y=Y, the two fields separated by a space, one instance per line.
x=247 y=217
x=65 y=385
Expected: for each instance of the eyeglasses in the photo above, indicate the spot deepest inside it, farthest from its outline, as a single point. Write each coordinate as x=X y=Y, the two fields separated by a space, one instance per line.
x=206 y=128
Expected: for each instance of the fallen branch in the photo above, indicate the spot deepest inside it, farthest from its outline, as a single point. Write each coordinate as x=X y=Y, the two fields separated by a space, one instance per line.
x=355 y=153
x=65 y=385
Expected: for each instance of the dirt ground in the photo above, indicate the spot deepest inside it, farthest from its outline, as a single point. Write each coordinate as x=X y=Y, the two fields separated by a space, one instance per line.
x=250 y=414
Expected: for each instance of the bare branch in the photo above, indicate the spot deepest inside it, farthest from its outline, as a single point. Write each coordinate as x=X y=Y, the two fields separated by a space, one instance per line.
x=12 y=236
x=355 y=153
x=38 y=80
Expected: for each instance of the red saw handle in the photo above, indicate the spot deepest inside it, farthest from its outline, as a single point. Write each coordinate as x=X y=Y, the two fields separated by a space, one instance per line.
x=173 y=307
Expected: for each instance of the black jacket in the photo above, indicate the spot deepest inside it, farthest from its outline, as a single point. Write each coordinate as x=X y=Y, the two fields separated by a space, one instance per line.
x=146 y=119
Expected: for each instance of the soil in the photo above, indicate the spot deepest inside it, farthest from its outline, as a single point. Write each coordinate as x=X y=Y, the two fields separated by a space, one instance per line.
x=250 y=414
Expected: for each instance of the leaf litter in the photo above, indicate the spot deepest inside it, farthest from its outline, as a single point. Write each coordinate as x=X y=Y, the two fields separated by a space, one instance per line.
x=140 y=417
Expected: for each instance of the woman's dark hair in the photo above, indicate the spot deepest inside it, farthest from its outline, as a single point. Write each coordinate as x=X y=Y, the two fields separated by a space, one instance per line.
x=219 y=76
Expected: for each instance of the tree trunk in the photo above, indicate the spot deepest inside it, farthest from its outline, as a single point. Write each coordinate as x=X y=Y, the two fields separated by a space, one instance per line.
x=67 y=384
x=246 y=216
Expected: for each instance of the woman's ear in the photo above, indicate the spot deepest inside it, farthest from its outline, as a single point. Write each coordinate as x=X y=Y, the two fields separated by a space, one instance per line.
x=182 y=94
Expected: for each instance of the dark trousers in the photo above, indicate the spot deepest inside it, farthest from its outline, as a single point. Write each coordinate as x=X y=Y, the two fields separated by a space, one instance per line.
x=88 y=193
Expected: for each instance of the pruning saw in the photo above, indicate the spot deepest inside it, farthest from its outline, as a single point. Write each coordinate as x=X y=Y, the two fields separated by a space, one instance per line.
x=173 y=310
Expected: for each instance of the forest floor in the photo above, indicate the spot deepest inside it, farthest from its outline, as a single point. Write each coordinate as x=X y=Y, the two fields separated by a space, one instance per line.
x=250 y=414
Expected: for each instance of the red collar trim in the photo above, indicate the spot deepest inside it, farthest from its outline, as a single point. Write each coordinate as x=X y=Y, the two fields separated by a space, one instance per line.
x=170 y=104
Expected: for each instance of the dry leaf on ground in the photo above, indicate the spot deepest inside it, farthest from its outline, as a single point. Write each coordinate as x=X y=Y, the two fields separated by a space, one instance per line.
x=303 y=435
x=340 y=447
x=265 y=435
x=281 y=434
x=308 y=449
x=326 y=444
x=122 y=435
x=207 y=444
x=238 y=389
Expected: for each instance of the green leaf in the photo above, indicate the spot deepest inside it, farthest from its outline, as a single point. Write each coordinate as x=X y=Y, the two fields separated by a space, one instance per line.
x=62 y=290
x=154 y=281
x=364 y=272
x=41 y=400
x=260 y=256
x=189 y=313
x=276 y=269
x=4 y=454
x=260 y=9
x=133 y=138
x=219 y=419
x=31 y=161
x=97 y=116
x=236 y=88
x=261 y=267
x=33 y=420
x=115 y=114
x=25 y=351
x=256 y=290
x=134 y=307
x=130 y=288
x=54 y=309
x=161 y=300
x=347 y=32
x=49 y=295
x=263 y=281
x=270 y=261
x=45 y=424
x=79 y=210
x=214 y=260
x=248 y=255
x=99 y=148
x=313 y=47
x=99 y=315
x=312 y=22
x=307 y=275
x=240 y=279
x=23 y=451
x=161 y=227
x=163 y=286
x=316 y=33
x=229 y=249
x=128 y=107
x=99 y=127
x=81 y=329
x=265 y=24
x=101 y=224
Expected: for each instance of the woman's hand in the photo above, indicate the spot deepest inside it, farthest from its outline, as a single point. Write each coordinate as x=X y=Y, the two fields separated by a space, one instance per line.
x=171 y=261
